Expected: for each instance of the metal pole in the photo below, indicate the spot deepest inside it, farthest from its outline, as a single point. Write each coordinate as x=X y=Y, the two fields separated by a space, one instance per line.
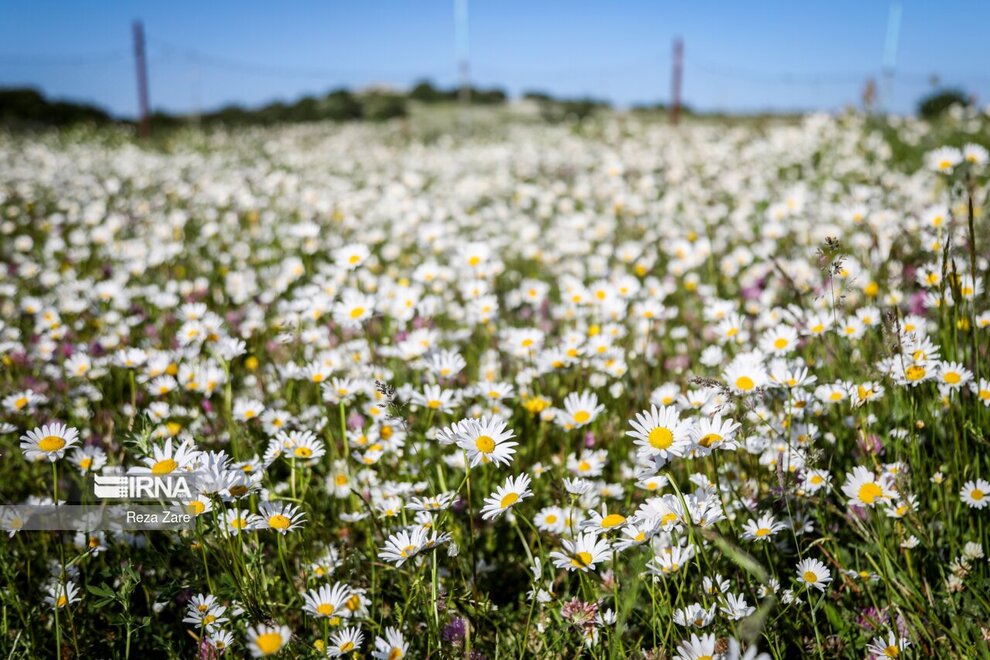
x=676 y=80
x=144 y=128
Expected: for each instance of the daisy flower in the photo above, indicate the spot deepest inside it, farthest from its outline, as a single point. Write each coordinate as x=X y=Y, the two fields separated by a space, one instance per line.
x=890 y=646
x=48 y=442
x=221 y=640
x=247 y=409
x=581 y=409
x=815 y=480
x=603 y=522
x=697 y=648
x=660 y=432
x=953 y=376
x=61 y=594
x=434 y=397
x=694 y=616
x=982 y=391
x=403 y=545
x=344 y=641
x=506 y=496
x=976 y=493
x=944 y=159
x=353 y=308
x=863 y=489
x=745 y=375
x=582 y=553
x=279 y=516
x=486 y=441
x=813 y=573
x=393 y=646
x=762 y=529
x=237 y=521
x=204 y=611
x=327 y=600
x=551 y=519
x=715 y=433
x=265 y=640
x=23 y=402
x=350 y=257
x=167 y=460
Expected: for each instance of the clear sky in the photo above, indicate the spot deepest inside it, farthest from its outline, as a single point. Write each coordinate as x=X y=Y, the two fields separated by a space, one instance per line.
x=739 y=55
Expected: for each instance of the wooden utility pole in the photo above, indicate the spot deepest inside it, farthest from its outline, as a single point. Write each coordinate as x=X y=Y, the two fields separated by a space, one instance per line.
x=144 y=128
x=675 y=80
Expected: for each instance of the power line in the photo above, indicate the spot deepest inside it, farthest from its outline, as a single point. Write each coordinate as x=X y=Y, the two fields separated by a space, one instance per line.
x=202 y=58
x=83 y=59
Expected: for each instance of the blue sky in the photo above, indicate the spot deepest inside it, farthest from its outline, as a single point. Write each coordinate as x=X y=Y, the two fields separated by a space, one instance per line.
x=738 y=55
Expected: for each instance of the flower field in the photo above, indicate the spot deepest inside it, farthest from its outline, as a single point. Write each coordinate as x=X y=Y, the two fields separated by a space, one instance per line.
x=611 y=389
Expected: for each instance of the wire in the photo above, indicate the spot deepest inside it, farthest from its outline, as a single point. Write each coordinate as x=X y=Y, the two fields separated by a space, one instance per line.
x=85 y=59
x=201 y=58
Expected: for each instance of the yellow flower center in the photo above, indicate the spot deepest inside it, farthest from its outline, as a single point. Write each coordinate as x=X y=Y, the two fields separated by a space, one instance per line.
x=433 y=403
x=21 y=402
x=952 y=377
x=303 y=452
x=612 y=520
x=485 y=444
x=326 y=609
x=582 y=416
x=346 y=647
x=780 y=343
x=914 y=372
x=810 y=577
x=357 y=312
x=977 y=494
x=745 y=383
x=508 y=500
x=710 y=439
x=582 y=560
x=164 y=466
x=278 y=521
x=762 y=531
x=869 y=492
x=269 y=643
x=51 y=443
x=661 y=438
x=892 y=651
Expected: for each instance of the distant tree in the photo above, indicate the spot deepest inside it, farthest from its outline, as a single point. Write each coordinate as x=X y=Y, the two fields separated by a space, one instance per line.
x=425 y=92
x=340 y=105
x=939 y=101
x=230 y=115
x=537 y=96
x=381 y=106
x=492 y=96
x=25 y=106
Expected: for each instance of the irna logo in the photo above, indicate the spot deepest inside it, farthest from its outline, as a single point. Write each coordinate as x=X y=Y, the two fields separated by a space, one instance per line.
x=142 y=486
